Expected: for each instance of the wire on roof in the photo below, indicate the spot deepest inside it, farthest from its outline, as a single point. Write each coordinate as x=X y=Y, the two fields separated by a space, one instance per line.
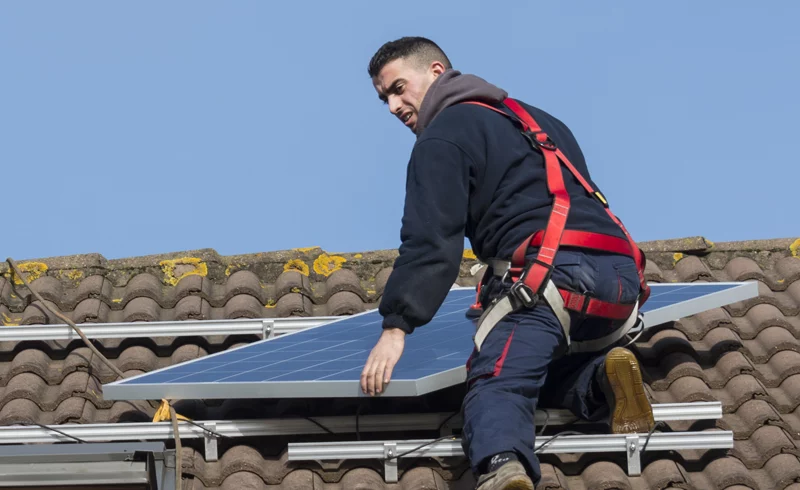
x=206 y=429
x=660 y=423
x=46 y=427
x=546 y=421
x=64 y=319
x=320 y=425
x=358 y=428
x=164 y=403
x=444 y=422
x=560 y=434
x=420 y=447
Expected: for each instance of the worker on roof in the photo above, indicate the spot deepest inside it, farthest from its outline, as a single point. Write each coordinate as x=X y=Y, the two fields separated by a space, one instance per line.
x=551 y=326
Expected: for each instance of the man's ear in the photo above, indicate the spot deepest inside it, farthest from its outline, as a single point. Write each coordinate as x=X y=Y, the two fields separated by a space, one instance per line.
x=437 y=68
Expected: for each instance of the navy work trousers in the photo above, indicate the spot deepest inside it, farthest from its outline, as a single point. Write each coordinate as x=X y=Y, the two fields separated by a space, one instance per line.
x=522 y=366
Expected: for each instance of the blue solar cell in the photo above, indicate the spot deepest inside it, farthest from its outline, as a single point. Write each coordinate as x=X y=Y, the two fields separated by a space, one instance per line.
x=337 y=352
x=669 y=294
x=338 y=348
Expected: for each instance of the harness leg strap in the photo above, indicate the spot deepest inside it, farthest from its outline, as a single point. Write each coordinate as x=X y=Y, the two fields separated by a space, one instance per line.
x=491 y=317
x=504 y=306
x=595 y=345
x=556 y=302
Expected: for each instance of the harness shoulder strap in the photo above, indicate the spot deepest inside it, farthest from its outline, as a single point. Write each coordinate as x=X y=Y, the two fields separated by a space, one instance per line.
x=533 y=280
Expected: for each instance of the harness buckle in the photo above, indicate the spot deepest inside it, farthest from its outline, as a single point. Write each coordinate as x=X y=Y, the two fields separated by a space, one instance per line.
x=545 y=142
x=524 y=294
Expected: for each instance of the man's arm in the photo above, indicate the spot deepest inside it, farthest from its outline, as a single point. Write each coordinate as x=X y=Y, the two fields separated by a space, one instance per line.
x=432 y=233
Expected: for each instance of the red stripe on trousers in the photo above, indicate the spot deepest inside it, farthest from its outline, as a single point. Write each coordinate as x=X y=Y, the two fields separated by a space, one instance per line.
x=498 y=366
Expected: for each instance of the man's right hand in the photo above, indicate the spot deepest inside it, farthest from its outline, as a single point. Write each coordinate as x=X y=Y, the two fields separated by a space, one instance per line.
x=378 y=369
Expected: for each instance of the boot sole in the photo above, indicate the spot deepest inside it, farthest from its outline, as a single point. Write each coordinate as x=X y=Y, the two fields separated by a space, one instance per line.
x=517 y=483
x=632 y=410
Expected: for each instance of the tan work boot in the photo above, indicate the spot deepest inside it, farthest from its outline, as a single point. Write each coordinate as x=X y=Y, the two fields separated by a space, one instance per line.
x=621 y=381
x=510 y=476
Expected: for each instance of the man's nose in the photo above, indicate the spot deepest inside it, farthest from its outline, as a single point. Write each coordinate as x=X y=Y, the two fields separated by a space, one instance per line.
x=394 y=105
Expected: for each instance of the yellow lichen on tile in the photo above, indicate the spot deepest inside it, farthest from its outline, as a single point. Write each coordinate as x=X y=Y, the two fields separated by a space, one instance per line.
x=199 y=268
x=75 y=274
x=232 y=267
x=296 y=265
x=358 y=256
x=795 y=248
x=34 y=270
x=326 y=265
x=10 y=322
x=271 y=303
x=117 y=300
x=304 y=249
x=676 y=257
x=469 y=254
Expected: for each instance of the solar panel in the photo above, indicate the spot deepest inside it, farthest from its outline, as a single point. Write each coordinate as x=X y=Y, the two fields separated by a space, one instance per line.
x=327 y=360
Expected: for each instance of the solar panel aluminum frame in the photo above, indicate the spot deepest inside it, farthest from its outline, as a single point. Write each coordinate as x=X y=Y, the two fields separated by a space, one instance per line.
x=396 y=388
x=741 y=292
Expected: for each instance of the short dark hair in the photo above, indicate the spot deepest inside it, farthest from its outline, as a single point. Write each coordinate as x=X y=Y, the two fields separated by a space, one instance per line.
x=422 y=49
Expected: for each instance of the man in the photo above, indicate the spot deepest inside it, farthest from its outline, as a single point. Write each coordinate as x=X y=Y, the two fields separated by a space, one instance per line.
x=474 y=173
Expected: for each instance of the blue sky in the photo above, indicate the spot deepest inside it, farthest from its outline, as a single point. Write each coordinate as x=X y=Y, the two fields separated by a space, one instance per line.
x=135 y=128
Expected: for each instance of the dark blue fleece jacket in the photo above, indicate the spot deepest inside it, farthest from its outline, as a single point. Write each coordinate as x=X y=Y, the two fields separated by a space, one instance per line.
x=473 y=174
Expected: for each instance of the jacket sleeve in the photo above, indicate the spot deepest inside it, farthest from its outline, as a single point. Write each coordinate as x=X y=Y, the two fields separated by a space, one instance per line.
x=432 y=234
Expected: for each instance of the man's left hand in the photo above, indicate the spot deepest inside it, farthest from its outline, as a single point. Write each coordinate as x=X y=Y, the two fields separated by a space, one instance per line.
x=378 y=369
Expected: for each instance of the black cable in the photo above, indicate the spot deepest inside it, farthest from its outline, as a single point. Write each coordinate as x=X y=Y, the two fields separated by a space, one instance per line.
x=57 y=431
x=205 y=429
x=419 y=447
x=564 y=433
x=646 y=441
x=358 y=429
x=546 y=421
x=446 y=420
x=320 y=425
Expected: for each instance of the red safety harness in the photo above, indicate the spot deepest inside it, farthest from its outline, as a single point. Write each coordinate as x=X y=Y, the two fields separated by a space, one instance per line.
x=529 y=281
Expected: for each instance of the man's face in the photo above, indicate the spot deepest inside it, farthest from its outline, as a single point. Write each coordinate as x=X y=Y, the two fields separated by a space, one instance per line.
x=402 y=86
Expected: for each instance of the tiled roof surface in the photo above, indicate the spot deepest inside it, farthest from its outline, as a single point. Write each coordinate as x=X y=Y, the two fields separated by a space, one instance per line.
x=746 y=355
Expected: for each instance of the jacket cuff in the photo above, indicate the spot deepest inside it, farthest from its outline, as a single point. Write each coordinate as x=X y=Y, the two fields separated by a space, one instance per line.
x=393 y=320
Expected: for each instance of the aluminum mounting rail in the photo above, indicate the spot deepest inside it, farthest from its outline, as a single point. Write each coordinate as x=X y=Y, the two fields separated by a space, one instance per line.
x=154 y=431
x=631 y=444
x=444 y=422
x=662 y=412
x=265 y=327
